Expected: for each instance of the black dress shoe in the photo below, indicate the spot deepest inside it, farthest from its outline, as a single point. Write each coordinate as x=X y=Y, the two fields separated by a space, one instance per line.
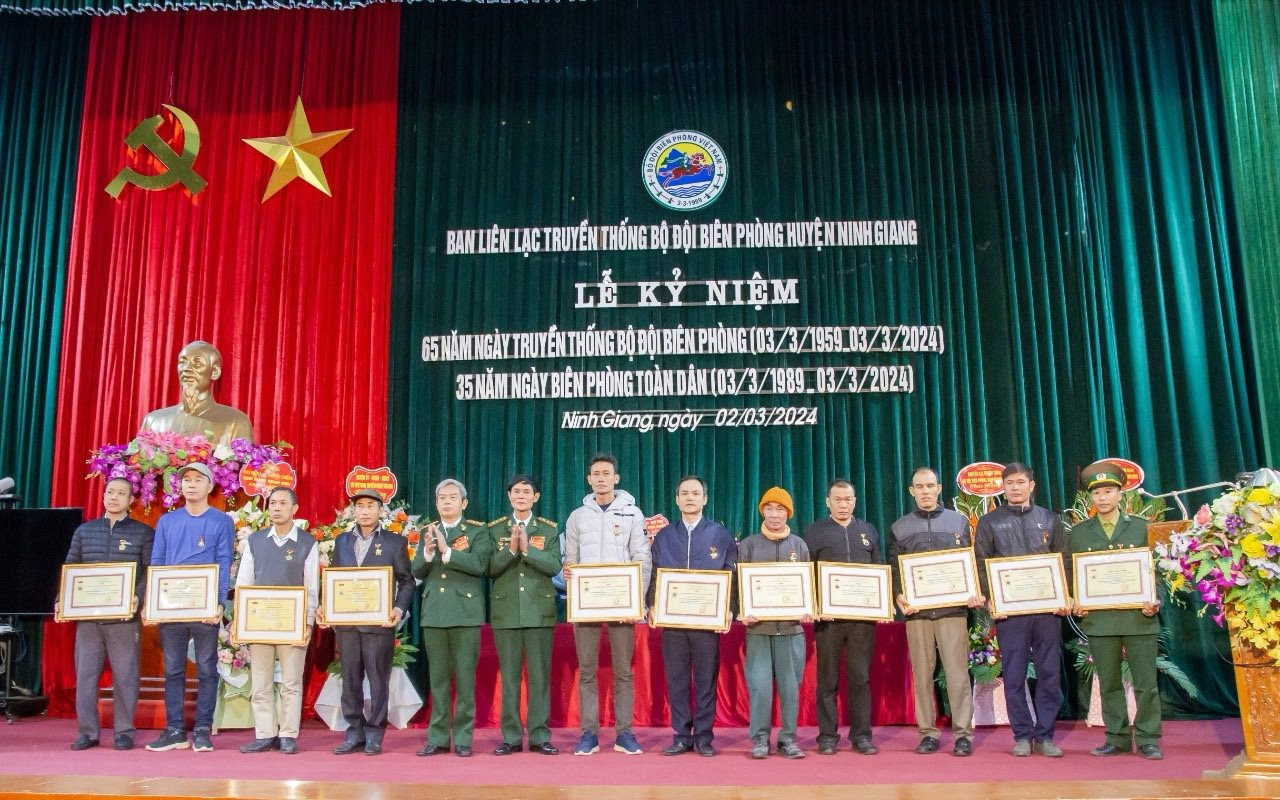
x=259 y=745
x=505 y=749
x=705 y=749
x=963 y=747
x=462 y=750
x=826 y=748
x=373 y=747
x=546 y=749
x=84 y=741
x=288 y=745
x=123 y=741
x=677 y=747
x=1151 y=752
x=927 y=745
x=351 y=744
x=864 y=745
x=432 y=750
x=1108 y=749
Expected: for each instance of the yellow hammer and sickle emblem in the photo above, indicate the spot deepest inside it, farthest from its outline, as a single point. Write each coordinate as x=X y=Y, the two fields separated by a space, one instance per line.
x=177 y=167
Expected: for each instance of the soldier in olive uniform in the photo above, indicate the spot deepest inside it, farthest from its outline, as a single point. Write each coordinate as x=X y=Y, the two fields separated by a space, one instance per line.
x=1123 y=634
x=453 y=563
x=522 y=613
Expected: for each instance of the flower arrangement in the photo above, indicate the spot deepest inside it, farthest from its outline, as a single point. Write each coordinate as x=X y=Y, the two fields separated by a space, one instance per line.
x=1230 y=557
x=152 y=461
x=973 y=506
x=231 y=656
x=984 y=650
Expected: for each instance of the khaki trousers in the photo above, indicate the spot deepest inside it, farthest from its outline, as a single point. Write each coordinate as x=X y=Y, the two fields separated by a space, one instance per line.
x=927 y=639
x=262 y=664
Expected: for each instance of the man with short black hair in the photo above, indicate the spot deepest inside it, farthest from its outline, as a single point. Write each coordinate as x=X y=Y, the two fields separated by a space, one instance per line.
x=113 y=537
x=279 y=556
x=843 y=538
x=1021 y=528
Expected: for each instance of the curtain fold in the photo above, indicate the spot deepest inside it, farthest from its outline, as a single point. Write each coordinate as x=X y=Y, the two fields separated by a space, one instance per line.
x=1064 y=161
x=43 y=62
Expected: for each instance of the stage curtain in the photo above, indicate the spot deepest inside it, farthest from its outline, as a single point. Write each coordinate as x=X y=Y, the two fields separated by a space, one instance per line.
x=1248 y=37
x=1065 y=161
x=43 y=62
x=294 y=290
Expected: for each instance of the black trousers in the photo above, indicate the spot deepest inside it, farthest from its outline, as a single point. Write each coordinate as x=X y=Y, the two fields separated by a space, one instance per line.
x=1036 y=638
x=365 y=655
x=852 y=642
x=691 y=655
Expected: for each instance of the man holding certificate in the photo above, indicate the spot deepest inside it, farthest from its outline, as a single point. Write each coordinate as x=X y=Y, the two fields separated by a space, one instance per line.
x=1120 y=634
x=193 y=534
x=935 y=632
x=842 y=538
x=688 y=654
x=522 y=614
x=112 y=538
x=453 y=564
x=279 y=556
x=607 y=528
x=775 y=648
x=366 y=650
x=1020 y=528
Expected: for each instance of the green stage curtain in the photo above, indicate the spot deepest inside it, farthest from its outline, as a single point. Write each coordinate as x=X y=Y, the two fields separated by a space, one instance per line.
x=1248 y=33
x=43 y=64
x=1066 y=163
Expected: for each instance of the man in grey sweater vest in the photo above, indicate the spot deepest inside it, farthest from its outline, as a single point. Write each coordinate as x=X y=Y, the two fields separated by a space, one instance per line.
x=935 y=632
x=279 y=556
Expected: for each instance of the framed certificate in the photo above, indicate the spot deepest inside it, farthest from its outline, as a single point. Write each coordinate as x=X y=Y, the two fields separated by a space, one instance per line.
x=356 y=595
x=692 y=598
x=96 y=591
x=185 y=593
x=855 y=591
x=1027 y=584
x=1114 y=578
x=270 y=615
x=939 y=578
x=776 y=590
x=604 y=593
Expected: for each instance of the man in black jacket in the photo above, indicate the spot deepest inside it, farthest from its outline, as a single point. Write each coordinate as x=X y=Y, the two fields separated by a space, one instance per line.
x=113 y=537
x=1019 y=528
x=935 y=632
x=843 y=538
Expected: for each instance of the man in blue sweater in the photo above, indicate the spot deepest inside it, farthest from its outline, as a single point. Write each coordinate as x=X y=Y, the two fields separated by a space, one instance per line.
x=196 y=533
x=691 y=655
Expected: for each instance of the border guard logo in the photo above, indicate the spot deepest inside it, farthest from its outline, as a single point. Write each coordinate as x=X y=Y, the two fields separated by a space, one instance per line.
x=685 y=170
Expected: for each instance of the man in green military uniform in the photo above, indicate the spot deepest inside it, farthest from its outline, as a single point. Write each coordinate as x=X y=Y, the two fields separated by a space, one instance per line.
x=522 y=613
x=1117 y=635
x=453 y=563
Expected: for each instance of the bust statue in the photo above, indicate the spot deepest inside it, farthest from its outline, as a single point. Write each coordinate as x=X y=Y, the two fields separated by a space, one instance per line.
x=199 y=365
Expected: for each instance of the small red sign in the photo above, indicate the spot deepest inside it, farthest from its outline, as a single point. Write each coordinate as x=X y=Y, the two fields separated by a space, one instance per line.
x=654 y=524
x=1133 y=474
x=381 y=480
x=981 y=478
x=259 y=481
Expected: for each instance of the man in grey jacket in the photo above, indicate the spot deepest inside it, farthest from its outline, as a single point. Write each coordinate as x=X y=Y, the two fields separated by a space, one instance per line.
x=607 y=529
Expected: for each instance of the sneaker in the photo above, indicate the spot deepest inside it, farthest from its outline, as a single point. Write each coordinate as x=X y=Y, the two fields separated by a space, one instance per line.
x=626 y=743
x=171 y=739
x=589 y=743
x=1021 y=747
x=760 y=747
x=200 y=741
x=1047 y=748
x=790 y=750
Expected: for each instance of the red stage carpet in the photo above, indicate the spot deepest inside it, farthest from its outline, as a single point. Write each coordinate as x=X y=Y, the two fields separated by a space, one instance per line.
x=39 y=747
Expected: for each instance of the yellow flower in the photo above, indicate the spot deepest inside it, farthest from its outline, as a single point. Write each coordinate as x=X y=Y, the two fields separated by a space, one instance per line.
x=1252 y=546
x=1178 y=582
x=1261 y=496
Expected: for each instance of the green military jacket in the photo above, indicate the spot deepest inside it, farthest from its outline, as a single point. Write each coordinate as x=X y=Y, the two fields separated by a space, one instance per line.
x=453 y=593
x=1087 y=537
x=522 y=595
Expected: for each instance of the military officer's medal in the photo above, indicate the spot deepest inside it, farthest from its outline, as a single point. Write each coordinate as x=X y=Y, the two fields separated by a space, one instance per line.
x=617 y=529
x=461 y=543
x=538 y=542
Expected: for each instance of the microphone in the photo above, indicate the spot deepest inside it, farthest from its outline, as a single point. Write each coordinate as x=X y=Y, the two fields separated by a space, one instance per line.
x=6 y=485
x=7 y=498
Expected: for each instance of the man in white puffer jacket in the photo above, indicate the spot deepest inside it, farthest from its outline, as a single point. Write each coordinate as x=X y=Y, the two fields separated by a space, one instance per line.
x=607 y=529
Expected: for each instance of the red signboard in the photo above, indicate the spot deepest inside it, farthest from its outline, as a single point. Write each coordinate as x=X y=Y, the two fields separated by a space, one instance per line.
x=381 y=480
x=1133 y=474
x=259 y=481
x=981 y=478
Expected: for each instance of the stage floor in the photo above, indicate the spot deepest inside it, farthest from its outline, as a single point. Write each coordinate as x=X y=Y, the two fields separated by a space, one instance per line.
x=36 y=760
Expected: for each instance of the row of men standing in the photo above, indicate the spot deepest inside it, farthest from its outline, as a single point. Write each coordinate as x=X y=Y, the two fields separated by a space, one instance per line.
x=521 y=554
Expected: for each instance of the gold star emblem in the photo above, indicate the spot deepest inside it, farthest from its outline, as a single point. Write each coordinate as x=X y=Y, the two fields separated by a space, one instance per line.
x=297 y=153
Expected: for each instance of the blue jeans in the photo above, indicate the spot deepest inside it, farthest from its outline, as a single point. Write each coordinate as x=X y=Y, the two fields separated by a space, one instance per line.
x=173 y=640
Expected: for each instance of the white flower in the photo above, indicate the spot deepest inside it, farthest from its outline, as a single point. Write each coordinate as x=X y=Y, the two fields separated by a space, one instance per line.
x=1226 y=504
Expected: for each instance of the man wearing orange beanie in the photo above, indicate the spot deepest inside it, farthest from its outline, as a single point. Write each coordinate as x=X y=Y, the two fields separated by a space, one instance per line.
x=775 y=649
